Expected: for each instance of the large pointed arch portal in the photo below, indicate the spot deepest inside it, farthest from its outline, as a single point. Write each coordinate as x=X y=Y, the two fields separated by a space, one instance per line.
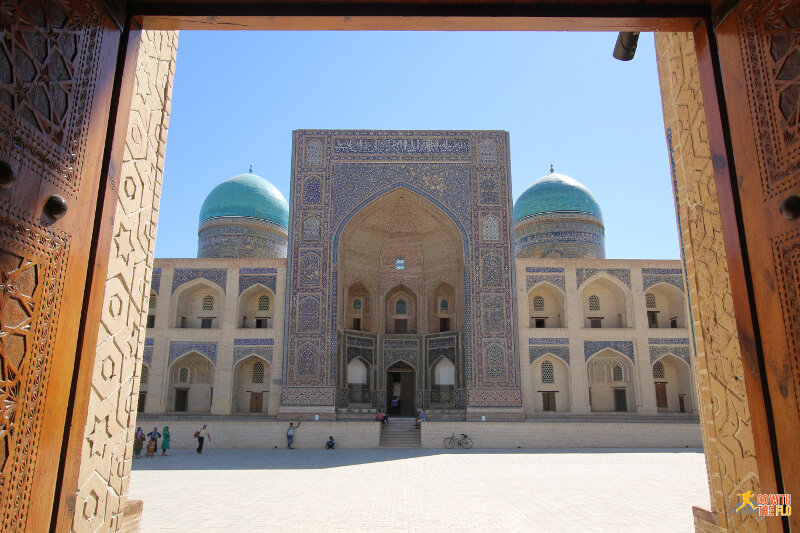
x=379 y=219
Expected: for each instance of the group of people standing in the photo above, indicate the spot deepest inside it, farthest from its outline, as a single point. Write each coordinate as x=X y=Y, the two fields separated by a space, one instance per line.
x=151 y=438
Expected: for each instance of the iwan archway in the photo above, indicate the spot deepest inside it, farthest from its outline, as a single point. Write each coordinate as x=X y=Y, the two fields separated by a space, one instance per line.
x=400 y=278
x=68 y=192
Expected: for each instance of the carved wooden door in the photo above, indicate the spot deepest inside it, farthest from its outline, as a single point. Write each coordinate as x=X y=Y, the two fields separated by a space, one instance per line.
x=57 y=62
x=759 y=46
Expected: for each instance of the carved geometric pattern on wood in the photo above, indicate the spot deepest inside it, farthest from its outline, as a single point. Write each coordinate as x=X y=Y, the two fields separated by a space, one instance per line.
x=48 y=66
x=770 y=39
x=31 y=282
x=786 y=251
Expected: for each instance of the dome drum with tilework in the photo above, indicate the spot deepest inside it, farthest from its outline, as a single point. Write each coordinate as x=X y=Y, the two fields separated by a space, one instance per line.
x=558 y=217
x=245 y=216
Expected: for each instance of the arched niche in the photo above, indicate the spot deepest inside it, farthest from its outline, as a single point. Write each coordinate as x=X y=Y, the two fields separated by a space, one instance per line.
x=442 y=312
x=400 y=310
x=606 y=303
x=666 y=306
x=611 y=382
x=399 y=238
x=359 y=308
x=551 y=384
x=191 y=378
x=673 y=385
x=198 y=304
x=444 y=374
x=546 y=307
x=256 y=308
x=252 y=379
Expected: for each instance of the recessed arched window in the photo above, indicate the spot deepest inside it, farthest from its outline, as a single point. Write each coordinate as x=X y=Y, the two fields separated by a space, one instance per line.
x=538 y=303
x=145 y=374
x=617 y=373
x=263 y=303
x=594 y=303
x=547 y=372
x=444 y=305
x=258 y=372
x=400 y=307
x=658 y=370
x=357 y=304
x=208 y=303
x=650 y=298
x=183 y=375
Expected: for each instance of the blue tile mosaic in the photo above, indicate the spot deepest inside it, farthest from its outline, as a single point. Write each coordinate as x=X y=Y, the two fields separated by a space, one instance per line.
x=149 y=342
x=544 y=340
x=668 y=341
x=442 y=342
x=247 y=280
x=554 y=279
x=155 y=283
x=147 y=356
x=657 y=352
x=253 y=342
x=535 y=352
x=654 y=276
x=622 y=274
x=436 y=353
x=407 y=145
x=592 y=347
x=214 y=275
x=180 y=348
x=548 y=270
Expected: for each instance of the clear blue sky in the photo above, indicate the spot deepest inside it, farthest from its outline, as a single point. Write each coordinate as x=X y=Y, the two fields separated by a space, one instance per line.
x=563 y=98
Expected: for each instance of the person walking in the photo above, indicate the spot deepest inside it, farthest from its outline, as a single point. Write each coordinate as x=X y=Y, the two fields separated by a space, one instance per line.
x=201 y=437
x=290 y=434
x=165 y=441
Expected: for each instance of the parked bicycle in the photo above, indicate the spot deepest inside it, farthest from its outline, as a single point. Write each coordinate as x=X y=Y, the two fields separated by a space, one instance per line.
x=463 y=441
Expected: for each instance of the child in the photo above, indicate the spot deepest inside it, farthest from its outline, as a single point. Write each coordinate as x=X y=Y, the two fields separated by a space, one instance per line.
x=151 y=448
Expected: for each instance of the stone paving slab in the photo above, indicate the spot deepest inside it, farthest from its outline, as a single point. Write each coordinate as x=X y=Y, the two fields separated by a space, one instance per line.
x=421 y=490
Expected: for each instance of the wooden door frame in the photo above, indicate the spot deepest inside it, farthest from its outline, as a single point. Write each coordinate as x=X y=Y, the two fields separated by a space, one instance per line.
x=694 y=16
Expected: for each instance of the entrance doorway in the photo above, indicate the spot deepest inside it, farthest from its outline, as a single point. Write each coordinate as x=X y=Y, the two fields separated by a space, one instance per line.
x=181 y=399
x=661 y=396
x=400 y=390
x=620 y=400
x=256 y=401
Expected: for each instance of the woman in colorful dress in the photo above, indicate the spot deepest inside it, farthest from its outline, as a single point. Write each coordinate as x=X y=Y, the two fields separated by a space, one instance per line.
x=165 y=440
x=138 y=443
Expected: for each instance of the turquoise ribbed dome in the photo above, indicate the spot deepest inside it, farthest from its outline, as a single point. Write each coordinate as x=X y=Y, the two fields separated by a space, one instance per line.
x=246 y=195
x=556 y=193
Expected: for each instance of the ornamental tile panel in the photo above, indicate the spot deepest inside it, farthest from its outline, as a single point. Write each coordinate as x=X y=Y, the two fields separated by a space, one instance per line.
x=545 y=340
x=442 y=342
x=546 y=270
x=155 y=284
x=244 y=352
x=622 y=274
x=553 y=279
x=657 y=352
x=654 y=276
x=535 y=352
x=214 y=275
x=253 y=342
x=147 y=356
x=149 y=342
x=180 y=348
x=592 y=347
x=683 y=341
x=248 y=280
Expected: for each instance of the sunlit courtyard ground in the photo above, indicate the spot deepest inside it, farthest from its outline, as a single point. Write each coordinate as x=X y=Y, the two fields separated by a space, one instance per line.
x=420 y=490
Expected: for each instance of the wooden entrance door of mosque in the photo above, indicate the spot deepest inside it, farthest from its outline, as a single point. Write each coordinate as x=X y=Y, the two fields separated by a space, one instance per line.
x=58 y=62
x=400 y=390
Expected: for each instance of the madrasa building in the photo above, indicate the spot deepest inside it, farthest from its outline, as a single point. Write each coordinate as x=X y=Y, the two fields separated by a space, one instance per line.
x=400 y=276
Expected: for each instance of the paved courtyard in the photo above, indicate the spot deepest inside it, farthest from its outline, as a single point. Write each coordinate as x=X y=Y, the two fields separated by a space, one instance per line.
x=421 y=490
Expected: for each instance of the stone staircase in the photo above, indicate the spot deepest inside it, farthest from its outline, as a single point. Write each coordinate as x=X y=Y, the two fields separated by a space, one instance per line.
x=400 y=433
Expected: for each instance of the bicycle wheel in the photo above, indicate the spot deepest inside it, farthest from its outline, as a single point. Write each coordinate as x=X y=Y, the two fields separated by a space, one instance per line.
x=449 y=443
x=466 y=442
